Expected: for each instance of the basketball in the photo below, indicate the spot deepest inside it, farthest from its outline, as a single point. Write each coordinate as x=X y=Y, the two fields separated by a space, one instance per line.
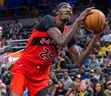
x=95 y=22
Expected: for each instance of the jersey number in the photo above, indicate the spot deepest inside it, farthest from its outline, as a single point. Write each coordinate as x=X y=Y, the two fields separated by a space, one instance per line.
x=46 y=54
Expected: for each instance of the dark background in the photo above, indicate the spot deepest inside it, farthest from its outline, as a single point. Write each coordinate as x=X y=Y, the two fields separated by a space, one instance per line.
x=34 y=8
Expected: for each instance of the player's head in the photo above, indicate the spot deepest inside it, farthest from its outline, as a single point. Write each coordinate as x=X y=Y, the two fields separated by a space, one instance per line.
x=64 y=11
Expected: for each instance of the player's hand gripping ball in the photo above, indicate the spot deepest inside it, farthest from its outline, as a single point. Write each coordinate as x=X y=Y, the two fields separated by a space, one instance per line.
x=95 y=22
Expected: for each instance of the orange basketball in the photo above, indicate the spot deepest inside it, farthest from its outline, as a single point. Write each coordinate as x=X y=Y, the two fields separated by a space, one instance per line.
x=95 y=22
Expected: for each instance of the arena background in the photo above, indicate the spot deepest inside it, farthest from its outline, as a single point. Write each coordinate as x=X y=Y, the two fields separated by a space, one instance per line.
x=19 y=17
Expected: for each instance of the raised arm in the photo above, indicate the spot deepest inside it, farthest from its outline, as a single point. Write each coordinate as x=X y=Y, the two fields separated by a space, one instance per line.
x=63 y=39
x=86 y=52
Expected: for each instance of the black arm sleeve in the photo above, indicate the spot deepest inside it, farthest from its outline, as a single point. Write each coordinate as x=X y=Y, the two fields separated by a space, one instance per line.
x=45 y=23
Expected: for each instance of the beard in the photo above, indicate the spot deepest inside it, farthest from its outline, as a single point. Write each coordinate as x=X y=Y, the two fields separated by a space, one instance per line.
x=66 y=20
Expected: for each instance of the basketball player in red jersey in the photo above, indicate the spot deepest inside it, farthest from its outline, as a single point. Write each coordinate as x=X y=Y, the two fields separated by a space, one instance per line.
x=31 y=70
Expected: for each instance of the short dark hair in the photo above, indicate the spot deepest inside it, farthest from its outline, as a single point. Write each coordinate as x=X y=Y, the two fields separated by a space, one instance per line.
x=61 y=4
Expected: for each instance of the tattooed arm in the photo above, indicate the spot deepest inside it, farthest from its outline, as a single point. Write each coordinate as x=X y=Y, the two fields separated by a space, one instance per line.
x=63 y=39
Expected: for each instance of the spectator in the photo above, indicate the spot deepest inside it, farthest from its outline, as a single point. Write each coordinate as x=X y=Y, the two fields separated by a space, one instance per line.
x=59 y=89
x=51 y=87
x=95 y=62
x=84 y=89
x=99 y=91
x=75 y=86
x=1 y=37
x=71 y=91
x=67 y=80
x=98 y=74
x=2 y=89
x=108 y=90
x=77 y=79
x=91 y=77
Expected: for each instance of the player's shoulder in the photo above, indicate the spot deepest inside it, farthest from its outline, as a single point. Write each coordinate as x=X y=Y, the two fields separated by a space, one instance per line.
x=48 y=17
x=46 y=22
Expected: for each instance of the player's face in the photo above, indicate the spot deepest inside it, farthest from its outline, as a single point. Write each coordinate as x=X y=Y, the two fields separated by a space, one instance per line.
x=65 y=12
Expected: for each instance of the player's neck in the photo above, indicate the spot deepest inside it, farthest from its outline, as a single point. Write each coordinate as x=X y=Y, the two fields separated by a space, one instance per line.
x=59 y=22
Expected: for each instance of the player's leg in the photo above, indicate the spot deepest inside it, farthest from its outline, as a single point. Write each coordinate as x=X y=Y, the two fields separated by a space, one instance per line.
x=17 y=85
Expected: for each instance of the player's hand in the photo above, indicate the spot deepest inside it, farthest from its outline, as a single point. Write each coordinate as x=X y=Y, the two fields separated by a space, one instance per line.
x=85 y=13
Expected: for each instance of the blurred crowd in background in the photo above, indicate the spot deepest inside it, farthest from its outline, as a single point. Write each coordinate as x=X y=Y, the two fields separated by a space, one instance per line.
x=66 y=78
